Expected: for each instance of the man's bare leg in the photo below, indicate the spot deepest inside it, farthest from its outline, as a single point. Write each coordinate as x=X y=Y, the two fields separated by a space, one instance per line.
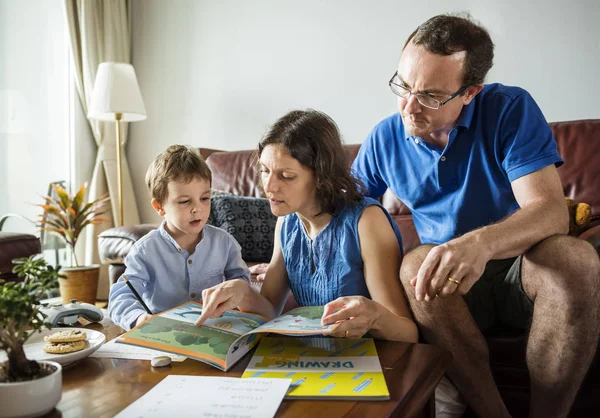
x=448 y=323
x=562 y=276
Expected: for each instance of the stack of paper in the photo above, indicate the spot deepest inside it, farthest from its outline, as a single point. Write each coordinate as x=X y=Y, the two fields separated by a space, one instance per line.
x=112 y=350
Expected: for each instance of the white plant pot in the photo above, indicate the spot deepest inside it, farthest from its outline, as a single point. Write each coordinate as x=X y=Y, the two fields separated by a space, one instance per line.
x=32 y=398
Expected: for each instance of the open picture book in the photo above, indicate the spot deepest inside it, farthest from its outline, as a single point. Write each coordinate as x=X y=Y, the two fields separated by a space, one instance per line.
x=331 y=368
x=223 y=341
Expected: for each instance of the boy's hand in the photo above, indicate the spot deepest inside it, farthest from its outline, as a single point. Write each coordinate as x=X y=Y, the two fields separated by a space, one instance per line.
x=222 y=297
x=142 y=318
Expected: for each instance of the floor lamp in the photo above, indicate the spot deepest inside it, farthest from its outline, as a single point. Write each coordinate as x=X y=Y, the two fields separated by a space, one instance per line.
x=116 y=97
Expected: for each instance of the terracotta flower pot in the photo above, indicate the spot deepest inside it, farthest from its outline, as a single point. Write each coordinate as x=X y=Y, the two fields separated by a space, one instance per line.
x=81 y=284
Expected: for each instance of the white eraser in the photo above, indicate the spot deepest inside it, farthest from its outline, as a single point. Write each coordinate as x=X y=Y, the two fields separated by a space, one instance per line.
x=160 y=361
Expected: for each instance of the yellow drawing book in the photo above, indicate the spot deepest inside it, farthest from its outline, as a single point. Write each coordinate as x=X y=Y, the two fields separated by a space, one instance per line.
x=331 y=368
x=220 y=342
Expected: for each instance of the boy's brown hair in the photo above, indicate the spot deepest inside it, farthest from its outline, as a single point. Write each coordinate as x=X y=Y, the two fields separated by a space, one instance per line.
x=176 y=163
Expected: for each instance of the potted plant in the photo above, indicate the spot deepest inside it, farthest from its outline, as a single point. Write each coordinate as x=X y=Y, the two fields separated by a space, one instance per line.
x=27 y=387
x=66 y=216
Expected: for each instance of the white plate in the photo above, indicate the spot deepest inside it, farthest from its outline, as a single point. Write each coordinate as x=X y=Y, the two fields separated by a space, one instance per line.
x=34 y=346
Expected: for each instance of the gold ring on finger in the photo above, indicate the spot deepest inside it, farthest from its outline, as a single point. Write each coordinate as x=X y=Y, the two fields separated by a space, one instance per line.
x=346 y=333
x=453 y=280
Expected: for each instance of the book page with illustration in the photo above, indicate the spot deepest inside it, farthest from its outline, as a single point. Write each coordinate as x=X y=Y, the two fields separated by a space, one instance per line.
x=220 y=342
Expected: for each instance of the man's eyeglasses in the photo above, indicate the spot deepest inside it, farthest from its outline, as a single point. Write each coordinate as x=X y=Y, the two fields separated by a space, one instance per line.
x=423 y=98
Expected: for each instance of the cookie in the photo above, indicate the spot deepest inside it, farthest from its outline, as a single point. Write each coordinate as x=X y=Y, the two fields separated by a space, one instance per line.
x=64 y=348
x=67 y=336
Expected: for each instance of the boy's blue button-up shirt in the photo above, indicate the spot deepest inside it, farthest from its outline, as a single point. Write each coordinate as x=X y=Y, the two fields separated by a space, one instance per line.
x=166 y=275
x=500 y=136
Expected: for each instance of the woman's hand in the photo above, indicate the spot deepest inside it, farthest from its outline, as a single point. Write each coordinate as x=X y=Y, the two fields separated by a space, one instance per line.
x=222 y=297
x=353 y=316
x=260 y=271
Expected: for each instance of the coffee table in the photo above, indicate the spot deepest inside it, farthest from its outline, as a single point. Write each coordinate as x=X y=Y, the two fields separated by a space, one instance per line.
x=101 y=387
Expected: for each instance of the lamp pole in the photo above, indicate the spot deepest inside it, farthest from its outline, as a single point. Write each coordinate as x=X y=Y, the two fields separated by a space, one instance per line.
x=118 y=117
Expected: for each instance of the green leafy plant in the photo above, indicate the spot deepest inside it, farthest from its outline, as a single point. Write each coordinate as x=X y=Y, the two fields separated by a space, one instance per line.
x=66 y=216
x=20 y=314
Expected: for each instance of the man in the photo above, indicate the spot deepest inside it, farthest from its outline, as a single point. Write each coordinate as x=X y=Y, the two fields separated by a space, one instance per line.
x=476 y=165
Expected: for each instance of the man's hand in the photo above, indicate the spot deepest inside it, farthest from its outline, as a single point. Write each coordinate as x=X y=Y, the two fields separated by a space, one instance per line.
x=354 y=315
x=222 y=297
x=451 y=268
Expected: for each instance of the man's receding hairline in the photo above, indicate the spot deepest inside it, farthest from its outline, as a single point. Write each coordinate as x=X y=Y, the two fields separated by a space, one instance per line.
x=455 y=56
x=459 y=54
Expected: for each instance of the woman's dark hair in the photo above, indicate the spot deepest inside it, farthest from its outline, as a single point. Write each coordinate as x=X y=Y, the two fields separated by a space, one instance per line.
x=314 y=140
x=448 y=34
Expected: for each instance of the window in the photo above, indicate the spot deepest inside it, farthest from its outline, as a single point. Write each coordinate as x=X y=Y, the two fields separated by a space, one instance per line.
x=34 y=106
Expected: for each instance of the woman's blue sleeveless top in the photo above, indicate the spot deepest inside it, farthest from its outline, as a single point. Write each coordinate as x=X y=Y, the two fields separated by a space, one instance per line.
x=335 y=252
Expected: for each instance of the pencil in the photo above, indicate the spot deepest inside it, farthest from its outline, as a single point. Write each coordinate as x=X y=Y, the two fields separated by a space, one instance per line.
x=135 y=293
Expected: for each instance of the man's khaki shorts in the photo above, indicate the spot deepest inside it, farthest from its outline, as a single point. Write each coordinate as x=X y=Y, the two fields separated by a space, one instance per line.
x=498 y=296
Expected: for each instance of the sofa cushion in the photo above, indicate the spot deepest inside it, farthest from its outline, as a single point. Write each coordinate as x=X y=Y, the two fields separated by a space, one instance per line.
x=249 y=220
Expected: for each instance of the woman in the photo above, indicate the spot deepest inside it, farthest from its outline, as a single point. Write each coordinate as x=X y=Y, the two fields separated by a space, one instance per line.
x=333 y=246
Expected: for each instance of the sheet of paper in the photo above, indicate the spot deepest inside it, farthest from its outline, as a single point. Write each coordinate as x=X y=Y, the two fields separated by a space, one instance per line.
x=114 y=350
x=210 y=396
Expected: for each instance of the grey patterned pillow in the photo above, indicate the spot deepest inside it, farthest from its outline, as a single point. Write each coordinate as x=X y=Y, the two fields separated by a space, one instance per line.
x=249 y=220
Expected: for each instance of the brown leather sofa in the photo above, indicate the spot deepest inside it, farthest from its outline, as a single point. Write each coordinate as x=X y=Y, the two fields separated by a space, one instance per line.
x=235 y=172
x=15 y=245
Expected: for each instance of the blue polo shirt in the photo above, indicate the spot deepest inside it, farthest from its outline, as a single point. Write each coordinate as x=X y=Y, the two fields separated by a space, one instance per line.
x=500 y=136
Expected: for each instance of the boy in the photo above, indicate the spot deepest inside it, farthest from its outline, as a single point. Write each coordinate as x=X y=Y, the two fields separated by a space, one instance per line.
x=176 y=262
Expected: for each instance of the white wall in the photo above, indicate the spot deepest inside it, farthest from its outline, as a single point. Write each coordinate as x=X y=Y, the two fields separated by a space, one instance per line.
x=216 y=73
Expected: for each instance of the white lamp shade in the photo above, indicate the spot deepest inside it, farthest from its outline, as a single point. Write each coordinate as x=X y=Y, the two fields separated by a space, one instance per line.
x=115 y=91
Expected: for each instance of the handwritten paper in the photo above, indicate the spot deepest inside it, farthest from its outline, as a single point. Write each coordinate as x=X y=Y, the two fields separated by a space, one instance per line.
x=210 y=396
x=114 y=350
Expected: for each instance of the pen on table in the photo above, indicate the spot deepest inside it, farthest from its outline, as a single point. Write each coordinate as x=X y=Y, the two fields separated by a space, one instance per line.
x=135 y=293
